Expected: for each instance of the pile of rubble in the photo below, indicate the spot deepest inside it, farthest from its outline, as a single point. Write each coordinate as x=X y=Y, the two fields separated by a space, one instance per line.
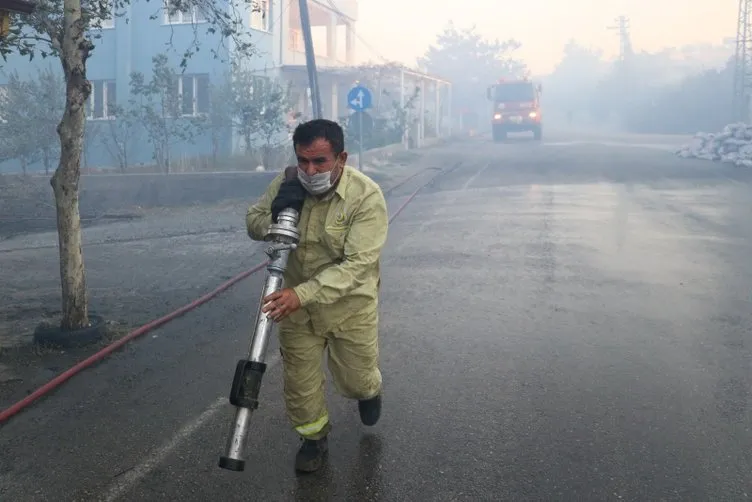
x=733 y=146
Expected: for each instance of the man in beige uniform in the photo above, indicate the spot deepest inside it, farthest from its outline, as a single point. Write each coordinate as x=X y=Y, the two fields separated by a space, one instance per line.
x=330 y=300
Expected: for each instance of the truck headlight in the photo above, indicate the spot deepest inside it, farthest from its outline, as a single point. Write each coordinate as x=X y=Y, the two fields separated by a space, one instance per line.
x=497 y=116
x=532 y=115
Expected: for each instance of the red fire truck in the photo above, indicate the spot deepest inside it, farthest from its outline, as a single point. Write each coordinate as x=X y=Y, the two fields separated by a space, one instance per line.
x=516 y=108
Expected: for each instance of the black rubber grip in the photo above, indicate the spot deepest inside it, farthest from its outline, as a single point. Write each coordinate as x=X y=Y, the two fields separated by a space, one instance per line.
x=246 y=384
x=231 y=464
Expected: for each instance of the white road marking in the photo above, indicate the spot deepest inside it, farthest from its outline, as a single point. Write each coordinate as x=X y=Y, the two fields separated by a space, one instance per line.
x=472 y=178
x=132 y=477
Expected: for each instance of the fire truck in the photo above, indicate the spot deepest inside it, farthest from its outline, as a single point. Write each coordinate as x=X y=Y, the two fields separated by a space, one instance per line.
x=516 y=108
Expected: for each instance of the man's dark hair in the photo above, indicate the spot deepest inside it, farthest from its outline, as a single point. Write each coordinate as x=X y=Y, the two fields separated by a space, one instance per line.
x=308 y=132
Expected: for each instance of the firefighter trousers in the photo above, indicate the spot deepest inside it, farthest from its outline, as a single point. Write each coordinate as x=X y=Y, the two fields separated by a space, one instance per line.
x=352 y=355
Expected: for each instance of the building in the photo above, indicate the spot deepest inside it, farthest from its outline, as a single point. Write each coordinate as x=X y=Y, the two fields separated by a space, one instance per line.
x=128 y=43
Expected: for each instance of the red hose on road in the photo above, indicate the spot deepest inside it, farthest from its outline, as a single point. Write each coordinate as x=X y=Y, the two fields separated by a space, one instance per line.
x=98 y=356
x=61 y=378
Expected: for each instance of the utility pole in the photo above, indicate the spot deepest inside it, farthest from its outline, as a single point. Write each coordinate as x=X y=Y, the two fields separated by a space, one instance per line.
x=624 y=70
x=743 y=63
x=625 y=41
x=313 y=80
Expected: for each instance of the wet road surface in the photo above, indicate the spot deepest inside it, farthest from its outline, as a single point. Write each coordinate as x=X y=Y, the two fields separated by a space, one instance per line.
x=563 y=321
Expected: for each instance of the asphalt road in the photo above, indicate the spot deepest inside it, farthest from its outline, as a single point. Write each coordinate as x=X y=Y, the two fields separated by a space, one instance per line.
x=560 y=321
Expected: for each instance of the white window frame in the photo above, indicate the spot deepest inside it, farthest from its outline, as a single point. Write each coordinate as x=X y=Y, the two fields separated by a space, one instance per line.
x=260 y=16
x=195 y=78
x=192 y=17
x=106 y=114
x=3 y=95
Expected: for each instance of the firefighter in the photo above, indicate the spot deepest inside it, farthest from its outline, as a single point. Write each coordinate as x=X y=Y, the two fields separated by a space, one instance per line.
x=332 y=280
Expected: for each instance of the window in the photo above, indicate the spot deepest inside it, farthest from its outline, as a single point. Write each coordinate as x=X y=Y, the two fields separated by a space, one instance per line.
x=260 y=15
x=194 y=94
x=523 y=91
x=3 y=98
x=174 y=14
x=102 y=100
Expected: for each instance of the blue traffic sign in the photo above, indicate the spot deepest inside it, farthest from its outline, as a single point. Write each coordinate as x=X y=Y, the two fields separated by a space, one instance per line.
x=359 y=98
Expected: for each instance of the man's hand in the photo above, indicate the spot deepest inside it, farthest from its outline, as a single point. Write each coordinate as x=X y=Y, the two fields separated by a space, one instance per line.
x=281 y=304
x=291 y=194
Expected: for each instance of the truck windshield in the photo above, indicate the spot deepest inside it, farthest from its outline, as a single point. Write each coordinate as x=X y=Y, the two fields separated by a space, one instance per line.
x=519 y=91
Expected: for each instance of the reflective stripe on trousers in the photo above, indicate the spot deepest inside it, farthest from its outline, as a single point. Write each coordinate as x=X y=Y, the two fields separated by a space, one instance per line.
x=313 y=428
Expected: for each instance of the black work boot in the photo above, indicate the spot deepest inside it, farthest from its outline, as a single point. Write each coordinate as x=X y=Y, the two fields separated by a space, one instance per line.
x=370 y=410
x=311 y=455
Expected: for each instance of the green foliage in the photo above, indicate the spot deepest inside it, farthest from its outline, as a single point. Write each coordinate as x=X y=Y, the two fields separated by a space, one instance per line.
x=647 y=93
x=119 y=135
x=156 y=104
x=253 y=105
x=700 y=102
x=30 y=111
x=42 y=33
x=471 y=63
x=221 y=110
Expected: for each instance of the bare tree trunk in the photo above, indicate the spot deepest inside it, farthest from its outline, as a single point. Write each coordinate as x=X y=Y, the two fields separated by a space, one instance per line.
x=75 y=51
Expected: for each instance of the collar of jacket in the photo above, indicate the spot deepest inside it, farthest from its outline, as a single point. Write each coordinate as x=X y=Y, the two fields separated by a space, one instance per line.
x=341 y=188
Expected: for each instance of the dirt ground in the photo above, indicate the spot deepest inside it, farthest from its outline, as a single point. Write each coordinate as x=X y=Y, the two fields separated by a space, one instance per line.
x=137 y=270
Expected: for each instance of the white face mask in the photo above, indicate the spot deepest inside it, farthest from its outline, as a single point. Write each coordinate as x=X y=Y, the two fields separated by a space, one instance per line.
x=316 y=184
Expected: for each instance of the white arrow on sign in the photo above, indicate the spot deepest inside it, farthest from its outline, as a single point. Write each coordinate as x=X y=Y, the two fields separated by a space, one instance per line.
x=358 y=102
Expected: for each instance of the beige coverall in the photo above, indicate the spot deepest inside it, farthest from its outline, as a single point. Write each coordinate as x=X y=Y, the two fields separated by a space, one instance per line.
x=335 y=273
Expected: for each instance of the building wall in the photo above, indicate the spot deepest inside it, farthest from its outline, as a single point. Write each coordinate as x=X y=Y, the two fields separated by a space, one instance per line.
x=127 y=47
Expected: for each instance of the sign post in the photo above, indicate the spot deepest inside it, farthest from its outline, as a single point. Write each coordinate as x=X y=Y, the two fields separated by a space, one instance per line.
x=359 y=99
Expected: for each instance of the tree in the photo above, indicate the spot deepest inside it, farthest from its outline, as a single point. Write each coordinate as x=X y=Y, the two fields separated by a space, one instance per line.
x=271 y=120
x=471 y=63
x=17 y=140
x=570 y=87
x=31 y=110
x=399 y=118
x=700 y=102
x=158 y=106
x=221 y=112
x=247 y=102
x=66 y=29
x=661 y=92
x=117 y=136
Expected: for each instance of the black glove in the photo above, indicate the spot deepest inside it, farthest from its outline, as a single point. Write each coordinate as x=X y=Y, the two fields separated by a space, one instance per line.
x=291 y=194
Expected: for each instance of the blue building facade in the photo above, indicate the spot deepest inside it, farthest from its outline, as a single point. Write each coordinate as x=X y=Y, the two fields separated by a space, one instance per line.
x=129 y=41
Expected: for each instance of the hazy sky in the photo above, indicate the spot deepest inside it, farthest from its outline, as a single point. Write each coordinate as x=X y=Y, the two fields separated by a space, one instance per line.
x=402 y=29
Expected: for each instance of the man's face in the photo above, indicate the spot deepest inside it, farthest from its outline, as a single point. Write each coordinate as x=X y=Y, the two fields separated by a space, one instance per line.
x=318 y=157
